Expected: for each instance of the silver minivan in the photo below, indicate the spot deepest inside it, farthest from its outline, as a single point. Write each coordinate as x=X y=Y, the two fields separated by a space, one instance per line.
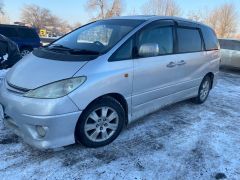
x=86 y=86
x=230 y=53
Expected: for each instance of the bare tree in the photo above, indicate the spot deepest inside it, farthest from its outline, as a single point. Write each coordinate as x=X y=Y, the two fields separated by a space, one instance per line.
x=4 y=18
x=35 y=16
x=76 y=25
x=162 y=7
x=1 y=7
x=212 y=18
x=227 y=20
x=223 y=19
x=198 y=15
x=115 y=10
x=42 y=18
x=99 y=5
x=105 y=8
x=57 y=26
x=132 y=12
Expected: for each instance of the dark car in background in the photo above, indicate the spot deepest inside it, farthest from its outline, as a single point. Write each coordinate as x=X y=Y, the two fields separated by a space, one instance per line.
x=230 y=53
x=26 y=38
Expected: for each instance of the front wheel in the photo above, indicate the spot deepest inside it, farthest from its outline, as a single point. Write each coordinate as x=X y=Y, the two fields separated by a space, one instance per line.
x=100 y=123
x=25 y=52
x=204 y=90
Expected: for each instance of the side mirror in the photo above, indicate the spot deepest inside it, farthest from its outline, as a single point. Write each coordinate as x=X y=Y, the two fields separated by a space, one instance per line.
x=148 y=50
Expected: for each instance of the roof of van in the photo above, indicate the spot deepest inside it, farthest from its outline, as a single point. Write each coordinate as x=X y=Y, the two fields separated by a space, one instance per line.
x=154 y=17
x=151 y=17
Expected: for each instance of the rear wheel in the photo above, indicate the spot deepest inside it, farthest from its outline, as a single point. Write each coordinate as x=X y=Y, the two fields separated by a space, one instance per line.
x=204 y=90
x=100 y=123
x=25 y=51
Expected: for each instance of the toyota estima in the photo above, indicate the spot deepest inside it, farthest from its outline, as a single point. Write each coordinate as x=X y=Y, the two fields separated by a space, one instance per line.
x=87 y=85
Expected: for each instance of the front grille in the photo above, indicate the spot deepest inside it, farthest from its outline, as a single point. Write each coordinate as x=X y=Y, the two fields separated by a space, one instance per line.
x=16 y=89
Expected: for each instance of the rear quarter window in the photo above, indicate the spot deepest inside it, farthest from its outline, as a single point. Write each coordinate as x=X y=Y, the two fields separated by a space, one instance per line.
x=210 y=39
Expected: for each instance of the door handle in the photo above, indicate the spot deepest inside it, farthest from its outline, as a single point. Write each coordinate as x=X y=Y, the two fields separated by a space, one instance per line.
x=180 y=63
x=171 y=64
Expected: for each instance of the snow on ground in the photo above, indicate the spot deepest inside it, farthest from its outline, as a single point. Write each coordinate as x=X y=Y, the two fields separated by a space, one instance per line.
x=182 y=141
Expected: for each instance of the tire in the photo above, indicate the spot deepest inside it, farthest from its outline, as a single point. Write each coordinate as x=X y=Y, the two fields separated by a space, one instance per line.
x=100 y=123
x=203 y=91
x=25 y=51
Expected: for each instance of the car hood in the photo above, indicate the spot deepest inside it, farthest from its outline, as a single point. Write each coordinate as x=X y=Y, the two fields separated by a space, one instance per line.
x=32 y=72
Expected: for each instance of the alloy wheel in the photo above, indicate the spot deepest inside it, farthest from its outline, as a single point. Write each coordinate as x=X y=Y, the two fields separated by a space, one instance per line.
x=101 y=124
x=204 y=90
x=24 y=52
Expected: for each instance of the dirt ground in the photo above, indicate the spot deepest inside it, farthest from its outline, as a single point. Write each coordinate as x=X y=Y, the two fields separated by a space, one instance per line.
x=182 y=141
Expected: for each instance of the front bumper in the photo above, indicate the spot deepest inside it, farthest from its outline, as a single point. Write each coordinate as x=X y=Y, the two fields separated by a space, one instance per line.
x=58 y=116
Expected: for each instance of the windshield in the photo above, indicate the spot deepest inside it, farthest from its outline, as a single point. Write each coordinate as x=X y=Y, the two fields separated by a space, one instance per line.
x=95 y=38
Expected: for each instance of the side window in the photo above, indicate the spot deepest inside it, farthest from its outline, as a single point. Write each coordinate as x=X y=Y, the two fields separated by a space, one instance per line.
x=229 y=44
x=27 y=33
x=124 y=52
x=225 y=44
x=189 y=40
x=8 y=31
x=210 y=39
x=162 y=36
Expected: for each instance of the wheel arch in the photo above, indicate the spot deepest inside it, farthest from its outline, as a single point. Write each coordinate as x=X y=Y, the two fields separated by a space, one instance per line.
x=25 y=47
x=120 y=98
x=211 y=75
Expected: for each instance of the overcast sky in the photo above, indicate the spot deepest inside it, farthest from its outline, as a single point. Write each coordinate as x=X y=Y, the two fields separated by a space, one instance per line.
x=74 y=10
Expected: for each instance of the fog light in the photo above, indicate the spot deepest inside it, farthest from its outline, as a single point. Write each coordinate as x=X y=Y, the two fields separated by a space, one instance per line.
x=41 y=130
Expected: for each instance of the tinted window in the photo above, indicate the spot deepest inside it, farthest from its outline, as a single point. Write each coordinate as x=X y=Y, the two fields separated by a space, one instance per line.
x=8 y=31
x=189 y=40
x=163 y=36
x=210 y=39
x=229 y=44
x=124 y=52
x=27 y=33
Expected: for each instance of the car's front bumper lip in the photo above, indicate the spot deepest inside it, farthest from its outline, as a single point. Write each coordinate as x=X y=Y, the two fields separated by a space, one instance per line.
x=60 y=129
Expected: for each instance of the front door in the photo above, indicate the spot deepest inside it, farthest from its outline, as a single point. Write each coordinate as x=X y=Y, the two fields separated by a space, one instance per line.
x=155 y=76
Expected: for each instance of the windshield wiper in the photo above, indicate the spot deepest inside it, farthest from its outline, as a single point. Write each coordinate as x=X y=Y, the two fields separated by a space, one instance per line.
x=59 y=47
x=84 y=52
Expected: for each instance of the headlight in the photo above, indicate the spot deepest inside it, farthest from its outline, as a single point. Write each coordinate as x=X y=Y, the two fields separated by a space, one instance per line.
x=56 y=89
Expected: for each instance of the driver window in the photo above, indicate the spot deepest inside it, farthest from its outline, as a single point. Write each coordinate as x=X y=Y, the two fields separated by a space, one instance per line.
x=161 y=36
